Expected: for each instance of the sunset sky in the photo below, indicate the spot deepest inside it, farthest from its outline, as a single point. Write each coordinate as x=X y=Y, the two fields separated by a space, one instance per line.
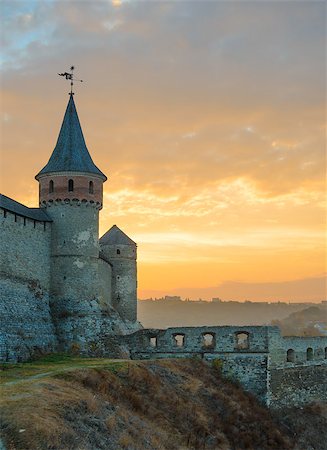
x=208 y=119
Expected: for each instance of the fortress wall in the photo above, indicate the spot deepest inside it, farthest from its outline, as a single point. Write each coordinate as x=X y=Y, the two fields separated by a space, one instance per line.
x=260 y=367
x=26 y=325
x=224 y=340
x=298 y=385
x=249 y=366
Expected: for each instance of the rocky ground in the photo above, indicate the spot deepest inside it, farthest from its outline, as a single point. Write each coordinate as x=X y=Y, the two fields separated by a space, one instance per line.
x=63 y=402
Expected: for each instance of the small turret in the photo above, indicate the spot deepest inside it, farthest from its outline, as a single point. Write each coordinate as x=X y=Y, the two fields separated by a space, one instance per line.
x=120 y=250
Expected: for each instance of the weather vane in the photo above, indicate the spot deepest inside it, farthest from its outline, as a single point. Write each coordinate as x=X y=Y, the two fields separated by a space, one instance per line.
x=70 y=76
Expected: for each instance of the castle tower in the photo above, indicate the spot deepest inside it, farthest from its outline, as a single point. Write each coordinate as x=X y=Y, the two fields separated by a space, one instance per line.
x=117 y=247
x=70 y=188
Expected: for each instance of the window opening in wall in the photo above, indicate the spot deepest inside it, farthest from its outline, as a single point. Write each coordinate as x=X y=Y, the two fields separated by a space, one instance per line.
x=70 y=185
x=4 y=213
x=118 y=251
x=208 y=340
x=179 y=340
x=44 y=226
x=153 y=341
x=15 y=218
x=34 y=223
x=91 y=187
x=51 y=186
x=290 y=355
x=242 y=340
x=309 y=354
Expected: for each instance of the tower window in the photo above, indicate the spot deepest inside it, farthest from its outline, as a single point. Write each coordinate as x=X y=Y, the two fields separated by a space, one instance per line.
x=91 y=187
x=118 y=251
x=51 y=186
x=70 y=185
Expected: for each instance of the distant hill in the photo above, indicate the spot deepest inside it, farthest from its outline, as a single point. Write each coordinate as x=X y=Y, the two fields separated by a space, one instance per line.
x=172 y=311
x=311 y=321
x=130 y=405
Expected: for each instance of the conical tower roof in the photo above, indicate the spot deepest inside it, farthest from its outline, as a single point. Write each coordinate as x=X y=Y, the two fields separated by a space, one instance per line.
x=70 y=153
x=115 y=236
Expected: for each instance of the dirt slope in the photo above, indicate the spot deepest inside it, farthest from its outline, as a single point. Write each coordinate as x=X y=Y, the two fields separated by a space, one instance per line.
x=171 y=404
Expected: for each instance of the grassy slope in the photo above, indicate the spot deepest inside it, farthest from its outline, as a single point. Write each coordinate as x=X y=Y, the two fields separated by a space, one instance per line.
x=74 y=403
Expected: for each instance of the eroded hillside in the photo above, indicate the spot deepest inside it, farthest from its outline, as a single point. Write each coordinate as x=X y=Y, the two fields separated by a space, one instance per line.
x=91 y=404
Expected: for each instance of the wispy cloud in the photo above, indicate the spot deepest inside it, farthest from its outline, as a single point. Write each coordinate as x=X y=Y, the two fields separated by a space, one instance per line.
x=208 y=117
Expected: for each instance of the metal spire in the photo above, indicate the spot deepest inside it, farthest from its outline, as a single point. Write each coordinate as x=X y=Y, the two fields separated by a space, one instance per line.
x=70 y=76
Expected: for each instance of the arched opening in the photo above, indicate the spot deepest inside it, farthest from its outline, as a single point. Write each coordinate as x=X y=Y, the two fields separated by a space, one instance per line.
x=70 y=185
x=290 y=355
x=118 y=251
x=153 y=341
x=208 y=340
x=242 y=340
x=179 y=340
x=309 y=354
x=51 y=186
x=91 y=187
x=325 y=352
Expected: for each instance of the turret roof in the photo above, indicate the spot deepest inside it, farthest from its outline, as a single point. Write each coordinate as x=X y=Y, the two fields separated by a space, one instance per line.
x=116 y=236
x=70 y=153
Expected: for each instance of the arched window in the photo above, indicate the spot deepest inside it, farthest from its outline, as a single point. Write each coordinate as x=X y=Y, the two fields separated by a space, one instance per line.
x=51 y=186
x=179 y=340
x=290 y=356
x=70 y=185
x=309 y=354
x=325 y=352
x=242 y=340
x=208 y=340
x=118 y=251
x=91 y=187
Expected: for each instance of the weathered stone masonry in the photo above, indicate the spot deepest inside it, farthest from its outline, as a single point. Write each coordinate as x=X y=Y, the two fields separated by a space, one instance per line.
x=61 y=287
x=258 y=357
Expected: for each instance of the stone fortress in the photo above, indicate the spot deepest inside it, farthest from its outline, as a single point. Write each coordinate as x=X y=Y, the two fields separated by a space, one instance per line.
x=63 y=289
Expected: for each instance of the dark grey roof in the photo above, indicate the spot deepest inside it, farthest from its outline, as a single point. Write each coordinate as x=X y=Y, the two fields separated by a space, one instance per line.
x=17 y=208
x=116 y=236
x=70 y=153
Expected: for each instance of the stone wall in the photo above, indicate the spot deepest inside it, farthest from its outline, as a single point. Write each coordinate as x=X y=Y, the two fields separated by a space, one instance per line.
x=244 y=360
x=26 y=326
x=298 y=385
x=255 y=356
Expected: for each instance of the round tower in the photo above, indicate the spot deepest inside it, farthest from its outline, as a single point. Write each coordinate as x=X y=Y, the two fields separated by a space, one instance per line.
x=120 y=250
x=71 y=192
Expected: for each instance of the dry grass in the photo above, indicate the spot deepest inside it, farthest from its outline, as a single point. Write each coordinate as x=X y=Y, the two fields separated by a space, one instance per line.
x=152 y=405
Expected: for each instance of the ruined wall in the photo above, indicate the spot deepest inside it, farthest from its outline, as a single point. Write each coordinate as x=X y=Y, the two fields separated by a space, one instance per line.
x=26 y=325
x=298 y=385
x=245 y=361
x=258 y=362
